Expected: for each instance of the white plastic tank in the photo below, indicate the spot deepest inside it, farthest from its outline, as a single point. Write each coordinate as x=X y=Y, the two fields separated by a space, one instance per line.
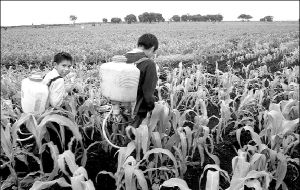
x=34 y=94
x=119 y=80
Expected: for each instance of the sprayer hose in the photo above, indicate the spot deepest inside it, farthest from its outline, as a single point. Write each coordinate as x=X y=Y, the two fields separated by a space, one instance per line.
x=104 y=132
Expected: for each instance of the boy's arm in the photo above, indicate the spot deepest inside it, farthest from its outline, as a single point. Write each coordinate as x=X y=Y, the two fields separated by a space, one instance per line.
x=149 y=85
x=57 y=93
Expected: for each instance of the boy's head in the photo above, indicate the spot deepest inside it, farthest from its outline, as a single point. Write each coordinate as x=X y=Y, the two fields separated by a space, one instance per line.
x=149 y=44
x=62 y=63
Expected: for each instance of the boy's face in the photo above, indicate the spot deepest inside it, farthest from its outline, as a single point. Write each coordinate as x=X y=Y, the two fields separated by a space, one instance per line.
x=150 y=52
x=63 y=68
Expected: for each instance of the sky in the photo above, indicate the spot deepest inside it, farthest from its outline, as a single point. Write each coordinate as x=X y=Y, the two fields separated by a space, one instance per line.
x=15 y=13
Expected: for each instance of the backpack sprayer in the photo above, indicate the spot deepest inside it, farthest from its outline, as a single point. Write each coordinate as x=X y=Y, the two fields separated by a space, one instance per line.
x=119 y=84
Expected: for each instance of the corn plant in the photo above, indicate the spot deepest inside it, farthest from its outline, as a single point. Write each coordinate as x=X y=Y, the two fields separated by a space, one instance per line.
x=213 y=176
x=78 y=175
x=129 y=167
x=175 y=182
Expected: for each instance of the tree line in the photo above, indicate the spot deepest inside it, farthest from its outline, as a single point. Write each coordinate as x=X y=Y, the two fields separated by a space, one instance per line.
x=197 y=18
x=145 y=17
x=157 y=17
x=245 y=17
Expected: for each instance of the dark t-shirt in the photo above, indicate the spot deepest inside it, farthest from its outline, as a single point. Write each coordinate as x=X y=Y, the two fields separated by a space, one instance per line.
x=147 y=83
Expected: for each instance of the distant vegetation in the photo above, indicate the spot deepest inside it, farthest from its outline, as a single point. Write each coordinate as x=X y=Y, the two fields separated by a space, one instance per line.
x=73 y=18
x=200 y=18
x=130 y=18
x=245 y=17
x=115 y=20
x=267 y=19
x=150 y=17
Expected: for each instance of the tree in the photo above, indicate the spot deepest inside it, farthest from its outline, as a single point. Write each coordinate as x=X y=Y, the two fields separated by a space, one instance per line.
x=248 y=17
x=141 y=18
x=144 y=17
x=242 y=16
x=73 y=18
x=130 y=18
x=175 y=18
x=189 y=17
x=195 y=18
x=115 y=20
x=211 y=18
x=158 y=17
x=267 y=19
x=245 y=17
x=184 y=18
x=104 y=20
x=151 y=17
x=219 y=17
x=205 y=18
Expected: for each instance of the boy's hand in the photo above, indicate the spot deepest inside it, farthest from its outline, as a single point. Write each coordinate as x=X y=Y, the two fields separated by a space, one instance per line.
x=68 y=88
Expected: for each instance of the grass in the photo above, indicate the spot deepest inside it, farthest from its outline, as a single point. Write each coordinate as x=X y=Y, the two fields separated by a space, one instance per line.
x=177 y=41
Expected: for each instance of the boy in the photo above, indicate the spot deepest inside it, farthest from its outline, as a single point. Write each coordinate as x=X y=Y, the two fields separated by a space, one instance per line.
x=147 y=45
x=54 y=79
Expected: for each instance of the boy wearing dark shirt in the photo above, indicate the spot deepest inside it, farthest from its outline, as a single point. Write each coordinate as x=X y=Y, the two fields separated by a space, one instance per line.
x=141 y=56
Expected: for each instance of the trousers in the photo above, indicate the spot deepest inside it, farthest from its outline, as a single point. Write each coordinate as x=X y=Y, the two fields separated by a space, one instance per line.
x=138 y=119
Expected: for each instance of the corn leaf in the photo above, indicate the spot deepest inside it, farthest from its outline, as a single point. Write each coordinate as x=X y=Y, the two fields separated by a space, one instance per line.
x=201 y=153
x=61 y=120
x=183 y=144
x=214 y=157
x=188 y=133
x=39 y=185
x=142 y=134
x=238 y=183
x=6 y=143
x=254 y=184
x=258 y=162
x=175 y=182
x=212 y=180
x=281 y=170
x=255 y=136
x=124 y=152
x=129 y=171
x=215 y=167
x=156 y=140
x=162 y=151
x=155 y=116
x=69 y=158
x=141 y=179
x=54 y=154
x=88 y=185
x=77 y=182
x=16 y=126
x=240 y=167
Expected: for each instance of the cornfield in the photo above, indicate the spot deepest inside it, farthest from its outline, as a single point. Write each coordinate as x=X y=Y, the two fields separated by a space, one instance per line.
x=226 y=116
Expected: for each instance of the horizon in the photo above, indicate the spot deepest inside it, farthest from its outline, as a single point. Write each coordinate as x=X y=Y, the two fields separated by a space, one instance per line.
x=58 y=12
x=123 y=22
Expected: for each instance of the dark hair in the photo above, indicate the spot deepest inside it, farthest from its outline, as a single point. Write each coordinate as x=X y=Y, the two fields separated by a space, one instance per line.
x=62 y=56
x=148 y=41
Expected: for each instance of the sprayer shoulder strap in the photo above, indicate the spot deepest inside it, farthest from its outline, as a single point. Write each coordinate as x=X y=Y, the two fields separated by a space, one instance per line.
x=140 y=61
x=52 y=80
